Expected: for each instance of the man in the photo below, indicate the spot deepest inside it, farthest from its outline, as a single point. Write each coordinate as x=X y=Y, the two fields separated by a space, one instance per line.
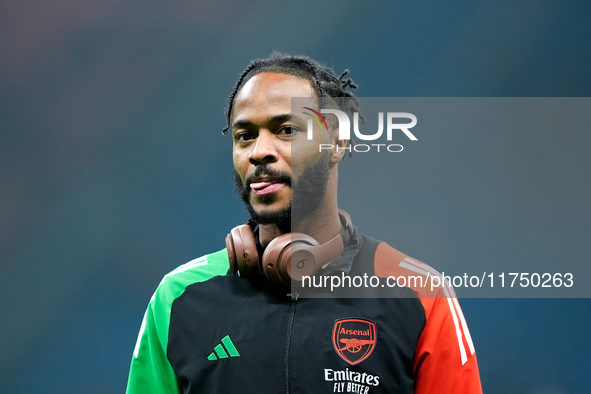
x=230 y=321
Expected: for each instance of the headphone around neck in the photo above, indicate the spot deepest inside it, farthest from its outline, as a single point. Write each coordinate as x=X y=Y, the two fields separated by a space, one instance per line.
x=308 y=255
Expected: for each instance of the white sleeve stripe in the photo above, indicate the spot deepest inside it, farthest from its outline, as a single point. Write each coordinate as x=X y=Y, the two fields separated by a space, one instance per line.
x=419 y=264
x=421 y=268
x=136 y=350
x=433 y=272
x=413 y=268
x=465 y=329
x=426 y=270
x=185 y=267
x=458 y=330
x=194 y=261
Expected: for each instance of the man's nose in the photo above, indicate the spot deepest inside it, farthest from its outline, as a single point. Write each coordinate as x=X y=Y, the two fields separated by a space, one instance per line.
x=264 y=150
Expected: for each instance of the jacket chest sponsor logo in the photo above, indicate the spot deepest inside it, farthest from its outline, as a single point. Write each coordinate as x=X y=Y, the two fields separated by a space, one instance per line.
x=350 y=381
x=354 y=339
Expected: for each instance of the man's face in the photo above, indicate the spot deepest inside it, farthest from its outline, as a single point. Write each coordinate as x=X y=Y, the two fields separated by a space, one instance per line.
x=265 y=136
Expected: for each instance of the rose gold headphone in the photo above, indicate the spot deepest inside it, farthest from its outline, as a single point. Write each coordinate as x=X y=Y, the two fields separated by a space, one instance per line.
x=308 y=255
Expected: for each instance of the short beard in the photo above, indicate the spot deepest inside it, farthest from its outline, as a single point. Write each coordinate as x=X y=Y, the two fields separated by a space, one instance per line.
x=307 y=194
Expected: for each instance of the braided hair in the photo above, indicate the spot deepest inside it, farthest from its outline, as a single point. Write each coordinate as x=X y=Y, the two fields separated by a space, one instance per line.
x=322 y=78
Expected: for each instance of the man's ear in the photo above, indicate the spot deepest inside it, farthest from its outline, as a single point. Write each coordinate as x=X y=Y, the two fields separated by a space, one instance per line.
x=337 y=153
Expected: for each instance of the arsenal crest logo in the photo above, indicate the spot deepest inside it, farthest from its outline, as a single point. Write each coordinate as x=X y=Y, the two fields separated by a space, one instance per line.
x=354 y=339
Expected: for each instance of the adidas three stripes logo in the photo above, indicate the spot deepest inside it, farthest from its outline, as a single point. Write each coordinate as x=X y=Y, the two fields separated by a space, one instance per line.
x=224 y=350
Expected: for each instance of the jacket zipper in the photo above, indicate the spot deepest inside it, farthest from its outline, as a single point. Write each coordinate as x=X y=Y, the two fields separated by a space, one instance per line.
x=292 y=310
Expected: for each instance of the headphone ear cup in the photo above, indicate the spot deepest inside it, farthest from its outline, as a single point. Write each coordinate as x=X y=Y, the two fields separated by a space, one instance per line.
x=231 y=254
x=277 y=259
x=242 y=252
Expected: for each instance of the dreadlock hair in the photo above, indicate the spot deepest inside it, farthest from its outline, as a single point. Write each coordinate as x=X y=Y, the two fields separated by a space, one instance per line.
x=322 y=78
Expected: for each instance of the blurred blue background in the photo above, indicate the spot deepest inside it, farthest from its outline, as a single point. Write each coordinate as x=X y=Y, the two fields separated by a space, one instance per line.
x=113 y=170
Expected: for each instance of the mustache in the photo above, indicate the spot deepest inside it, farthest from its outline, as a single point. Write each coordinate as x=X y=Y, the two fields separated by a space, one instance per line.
x=281 y=176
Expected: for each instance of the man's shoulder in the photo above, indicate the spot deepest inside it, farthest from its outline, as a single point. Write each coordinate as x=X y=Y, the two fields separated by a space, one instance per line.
x=390 y=262
x=386 y=257
x=197 y=270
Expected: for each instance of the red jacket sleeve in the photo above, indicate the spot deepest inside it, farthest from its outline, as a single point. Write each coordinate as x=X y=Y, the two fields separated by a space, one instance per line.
x=445 y=358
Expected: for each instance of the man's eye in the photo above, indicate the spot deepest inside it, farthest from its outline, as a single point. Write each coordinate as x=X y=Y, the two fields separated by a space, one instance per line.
x=289 y=130
x=243 y=136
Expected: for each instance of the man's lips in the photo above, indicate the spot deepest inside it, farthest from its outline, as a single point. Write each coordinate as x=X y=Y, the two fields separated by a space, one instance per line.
x=262 y=188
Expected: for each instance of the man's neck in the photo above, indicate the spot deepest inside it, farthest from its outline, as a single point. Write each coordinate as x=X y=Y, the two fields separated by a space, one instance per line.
x=322 y=225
